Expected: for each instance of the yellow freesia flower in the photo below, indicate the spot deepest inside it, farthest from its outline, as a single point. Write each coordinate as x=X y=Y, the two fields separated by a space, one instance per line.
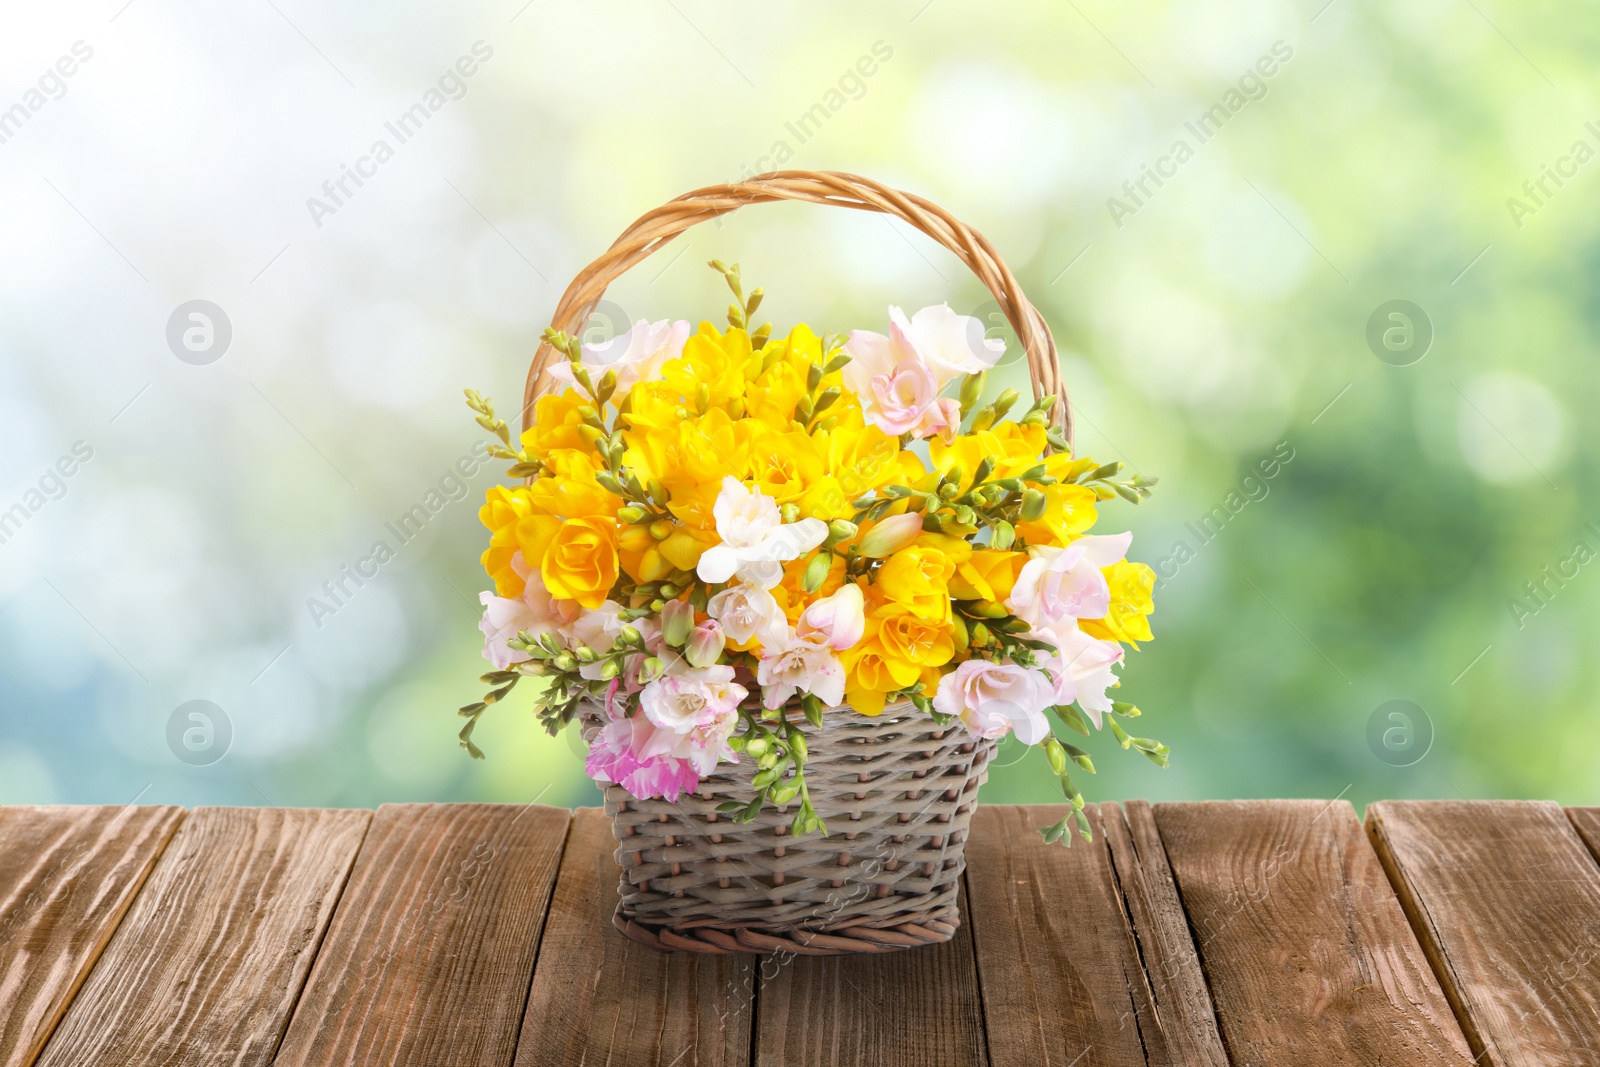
x=503 y=509
x=579 y=561
x=988 y=575
x=1069 y=510
x=918 y=578
x=1014 y=448
x=1132 y=587
x=557 y=425
x=783 y=465
x=906 y=639
x=863 y=458
x=719 y=361
x=569 y=490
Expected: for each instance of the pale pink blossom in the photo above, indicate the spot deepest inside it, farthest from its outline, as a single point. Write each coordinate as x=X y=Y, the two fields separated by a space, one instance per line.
x=747 y=613
x=837 y=621
x=1066 y=583
x=1082 y=668
x=993 y=698
x=899 y=377
x=800 y=665
x=504 y=618
x=695 y=712
x=637 y=354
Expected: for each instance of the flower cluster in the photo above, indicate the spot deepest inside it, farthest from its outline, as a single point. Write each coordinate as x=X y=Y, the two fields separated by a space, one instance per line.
x=726 y=536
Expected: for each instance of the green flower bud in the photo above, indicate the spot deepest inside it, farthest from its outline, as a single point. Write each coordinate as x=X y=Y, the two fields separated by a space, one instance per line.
x=677 y=620
x=1033 y=503
x=839 y=531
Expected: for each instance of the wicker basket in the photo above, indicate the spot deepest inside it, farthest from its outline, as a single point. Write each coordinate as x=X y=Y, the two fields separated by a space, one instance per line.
x=896 y=790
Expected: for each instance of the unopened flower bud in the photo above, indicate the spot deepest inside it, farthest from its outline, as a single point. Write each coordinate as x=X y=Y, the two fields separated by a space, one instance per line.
x=1033 y=503
x=839 y=530
x=677 y=620
x=891 y=535
x=705 y=644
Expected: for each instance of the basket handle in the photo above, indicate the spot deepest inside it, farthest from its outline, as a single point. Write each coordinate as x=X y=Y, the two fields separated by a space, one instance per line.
x=656 y=228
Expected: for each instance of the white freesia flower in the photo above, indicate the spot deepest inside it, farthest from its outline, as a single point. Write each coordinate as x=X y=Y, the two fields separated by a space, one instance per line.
x=755 y=539
x=993 y=698
x=637 y=355
x=748 y=611
x=1066 y=583
x=800 y=665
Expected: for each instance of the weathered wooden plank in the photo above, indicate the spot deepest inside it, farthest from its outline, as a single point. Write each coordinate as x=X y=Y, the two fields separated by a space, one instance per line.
x=1188 y=1021
x=1507 y=902
x=67 y=877
x=1061 y=978
x=208 y=962
x=1587 y=822
x=915 y=1007
x=430 y=956
x=598 y=997
x=1307 y=951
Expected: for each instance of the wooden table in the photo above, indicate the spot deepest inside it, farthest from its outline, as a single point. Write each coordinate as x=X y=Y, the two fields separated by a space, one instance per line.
x=1246 y=933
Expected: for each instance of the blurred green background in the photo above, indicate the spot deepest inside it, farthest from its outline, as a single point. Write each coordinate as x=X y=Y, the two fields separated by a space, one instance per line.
x=1207 y=322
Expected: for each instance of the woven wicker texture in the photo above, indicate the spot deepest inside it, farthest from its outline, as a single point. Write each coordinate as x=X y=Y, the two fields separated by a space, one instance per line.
x=654 y=229
x=896 y=791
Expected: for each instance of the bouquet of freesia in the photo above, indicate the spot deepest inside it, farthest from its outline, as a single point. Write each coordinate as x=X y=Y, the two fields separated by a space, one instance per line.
x=727 y=537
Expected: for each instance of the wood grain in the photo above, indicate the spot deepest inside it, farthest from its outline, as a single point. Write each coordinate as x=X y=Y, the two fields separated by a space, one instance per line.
x=208 y=962
x=430 y=956
x=1060 y=972
x=1587 y=822
x=1188 y=1021
x=916 y=1007
x=1507 y=902
x=598 y=997
x=67 y=877
x=1306 y=949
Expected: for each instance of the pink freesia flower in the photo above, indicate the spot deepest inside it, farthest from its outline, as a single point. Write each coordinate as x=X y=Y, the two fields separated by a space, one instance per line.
x=618 y=754
x=899 y=377
x=503 y=618
x=1082 y=668
x=801 y=665
x=695 y=711
x=837 y=621
x=992 y=698
x=1066 y=583
x=746 y=612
